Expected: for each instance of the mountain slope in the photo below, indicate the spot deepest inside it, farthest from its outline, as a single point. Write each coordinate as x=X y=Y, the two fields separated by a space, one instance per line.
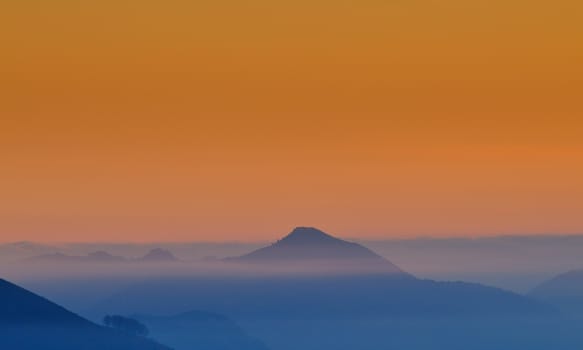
x=564 y=291
x=30 y=322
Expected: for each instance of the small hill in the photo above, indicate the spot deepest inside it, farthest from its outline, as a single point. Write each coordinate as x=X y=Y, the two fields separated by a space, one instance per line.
x=158 y=255
x=208 y=331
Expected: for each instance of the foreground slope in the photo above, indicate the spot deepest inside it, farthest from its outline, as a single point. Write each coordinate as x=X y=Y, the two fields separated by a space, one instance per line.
x=30 y=322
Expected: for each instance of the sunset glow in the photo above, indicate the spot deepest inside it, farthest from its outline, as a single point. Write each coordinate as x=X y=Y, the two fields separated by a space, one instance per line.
x=239 y=120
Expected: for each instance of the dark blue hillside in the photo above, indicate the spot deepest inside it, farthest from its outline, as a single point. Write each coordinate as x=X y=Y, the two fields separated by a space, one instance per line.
x=19 y=306
x=30 y=322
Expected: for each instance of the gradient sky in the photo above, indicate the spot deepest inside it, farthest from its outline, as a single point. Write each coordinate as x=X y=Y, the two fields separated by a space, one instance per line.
x=239 y=119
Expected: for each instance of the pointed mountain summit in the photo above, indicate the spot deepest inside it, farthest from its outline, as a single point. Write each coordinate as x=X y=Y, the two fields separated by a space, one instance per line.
x=310 y=245
x=308 y=235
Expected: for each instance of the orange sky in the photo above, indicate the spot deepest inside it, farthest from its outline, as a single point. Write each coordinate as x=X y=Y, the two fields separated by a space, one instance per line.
x=237 y=120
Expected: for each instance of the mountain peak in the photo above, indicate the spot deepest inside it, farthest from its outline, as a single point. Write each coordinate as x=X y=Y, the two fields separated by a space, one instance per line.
x=307 y=245
x=307 y=235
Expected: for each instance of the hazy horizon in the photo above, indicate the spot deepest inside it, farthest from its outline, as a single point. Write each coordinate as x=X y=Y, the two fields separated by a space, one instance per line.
x=515 y=263
x=273 y=237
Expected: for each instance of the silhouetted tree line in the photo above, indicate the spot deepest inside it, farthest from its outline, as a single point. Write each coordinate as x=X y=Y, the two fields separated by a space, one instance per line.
x=126 y=325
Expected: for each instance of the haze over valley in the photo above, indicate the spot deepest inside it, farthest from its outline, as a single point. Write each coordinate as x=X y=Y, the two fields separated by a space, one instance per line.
x=262 y=296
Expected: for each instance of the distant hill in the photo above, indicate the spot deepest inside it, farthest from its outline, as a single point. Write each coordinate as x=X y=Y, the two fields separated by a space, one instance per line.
x=30 y=322
x=199 y=330
x=15 y=251
x=564 y=291
x=94 y=257
x=158 y=255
